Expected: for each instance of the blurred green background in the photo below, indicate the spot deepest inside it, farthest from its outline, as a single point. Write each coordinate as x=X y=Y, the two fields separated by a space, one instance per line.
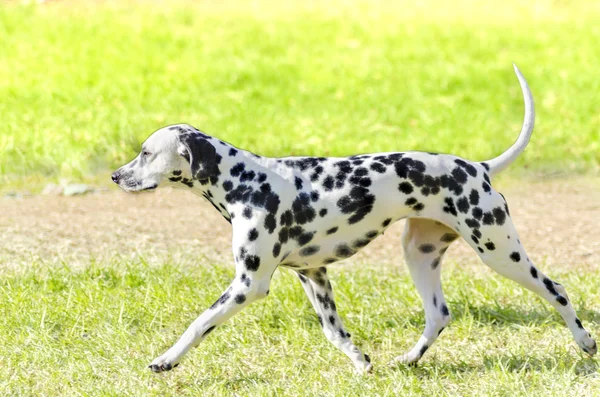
x=82 y=84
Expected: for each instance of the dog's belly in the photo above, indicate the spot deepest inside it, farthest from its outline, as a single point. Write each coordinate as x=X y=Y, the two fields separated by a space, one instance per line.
x=325 y=249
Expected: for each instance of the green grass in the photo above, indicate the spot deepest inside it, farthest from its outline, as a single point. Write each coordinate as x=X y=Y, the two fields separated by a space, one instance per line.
x=92 y=331
x=82 y=88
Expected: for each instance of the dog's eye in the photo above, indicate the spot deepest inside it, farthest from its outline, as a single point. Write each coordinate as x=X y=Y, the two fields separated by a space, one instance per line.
x=145 y=153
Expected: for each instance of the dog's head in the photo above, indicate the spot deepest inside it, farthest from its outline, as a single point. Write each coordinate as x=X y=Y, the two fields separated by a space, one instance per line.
x=170 y=154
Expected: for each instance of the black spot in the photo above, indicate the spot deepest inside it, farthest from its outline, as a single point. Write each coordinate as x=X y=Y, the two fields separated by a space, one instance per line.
x=475 y=239
x=314 y=196
x=434 y=300
x=276 y=249
x=427 y=248
x=310 y=250
x=405 y=188
x=372 y=234
x=209 y=330
x=533 y=272
x=246 y=280
x=410 y=201
x=332 y=230
x=499 y=215
x=329 y=261
x=328 y=183
x=550 y=286
x=360 y=243
x=175 y=179
x=386 y=222
x=270 y=223
x=445 y=310
x=474 y=197
x=486 y=166
x=486 y=187
x=480 y=249
x=187 y=182
x=305 y=238
x=343 y=251
x=247 y=213
x=222 y=299
x=176 y=173
x=253 y=234
x=578 y=322
x=448 y=237
x=359 y=202
x=303 y=211
x=463 y=205
x=423 y=350
x=237 y=169
x=298 y=183
x=562 y=300
x=323 y=212
x=477 y=213
x=459 y=175
x=320 y=319
x=240 y=298
x=477 y=233
x=247 y=176
x=472 y=223
x=252 y=262
x=367 y=358
x=435 y=263
x=515 y=256
x=378 y=167
x=287 y=218
x=262 y=177
x=490 y=246
x=332 y=320
x=449 y=207
x=471 y=170
x=488 y=218
x=418 y=207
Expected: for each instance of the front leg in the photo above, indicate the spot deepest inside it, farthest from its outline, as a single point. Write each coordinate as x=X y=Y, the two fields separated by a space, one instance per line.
x=250 y=284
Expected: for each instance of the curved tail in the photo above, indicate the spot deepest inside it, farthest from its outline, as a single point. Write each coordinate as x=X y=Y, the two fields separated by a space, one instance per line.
x=505 y=159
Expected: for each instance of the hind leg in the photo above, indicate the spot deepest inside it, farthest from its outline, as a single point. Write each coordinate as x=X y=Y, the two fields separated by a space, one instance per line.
x=318 y=289
x=493 y=235
x=424 y=242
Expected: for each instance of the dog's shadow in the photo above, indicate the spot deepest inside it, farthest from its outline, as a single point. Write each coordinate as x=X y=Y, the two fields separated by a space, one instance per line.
x=508 y=316
x=513 y=364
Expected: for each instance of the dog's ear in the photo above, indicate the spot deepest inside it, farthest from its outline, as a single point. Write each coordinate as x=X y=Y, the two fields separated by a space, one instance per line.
x=201 y=155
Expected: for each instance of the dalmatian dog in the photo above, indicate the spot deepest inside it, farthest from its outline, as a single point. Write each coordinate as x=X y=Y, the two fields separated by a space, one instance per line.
x=305 y=213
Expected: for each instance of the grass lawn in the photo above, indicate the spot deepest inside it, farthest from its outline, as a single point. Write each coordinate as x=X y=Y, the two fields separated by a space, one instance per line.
x=93 y=331
x=83 y=83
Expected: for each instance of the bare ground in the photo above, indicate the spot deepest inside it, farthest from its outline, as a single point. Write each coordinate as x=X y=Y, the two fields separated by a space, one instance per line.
x=558 y=222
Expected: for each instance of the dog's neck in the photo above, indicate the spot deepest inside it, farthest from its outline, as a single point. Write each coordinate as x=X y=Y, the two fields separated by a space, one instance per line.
x=237 y=167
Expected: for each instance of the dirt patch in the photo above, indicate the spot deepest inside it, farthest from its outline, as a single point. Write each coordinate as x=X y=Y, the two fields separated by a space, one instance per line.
x=558 y=222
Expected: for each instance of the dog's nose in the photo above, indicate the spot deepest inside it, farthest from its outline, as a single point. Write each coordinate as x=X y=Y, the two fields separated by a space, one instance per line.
x=115 y=177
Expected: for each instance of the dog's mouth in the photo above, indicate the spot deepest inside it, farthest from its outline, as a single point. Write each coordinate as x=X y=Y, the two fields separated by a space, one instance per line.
x=135 y=188
x=149 y=188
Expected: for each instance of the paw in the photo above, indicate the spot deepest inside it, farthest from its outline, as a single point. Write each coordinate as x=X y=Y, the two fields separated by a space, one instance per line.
x=407 y=359
x=364 y=366
x=588 y=345
x=162 y=364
